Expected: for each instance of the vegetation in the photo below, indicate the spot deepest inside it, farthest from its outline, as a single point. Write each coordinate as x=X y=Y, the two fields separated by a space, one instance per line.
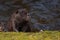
x=46 y=35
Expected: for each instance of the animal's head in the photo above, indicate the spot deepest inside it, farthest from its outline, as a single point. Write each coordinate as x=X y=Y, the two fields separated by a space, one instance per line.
x=21 y=14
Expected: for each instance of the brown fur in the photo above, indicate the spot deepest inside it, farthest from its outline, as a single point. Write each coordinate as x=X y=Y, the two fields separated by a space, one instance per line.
x=19 y=20
x=1 y=26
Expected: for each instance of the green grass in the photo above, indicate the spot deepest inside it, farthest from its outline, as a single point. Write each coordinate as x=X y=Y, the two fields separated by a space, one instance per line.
x=46 y=35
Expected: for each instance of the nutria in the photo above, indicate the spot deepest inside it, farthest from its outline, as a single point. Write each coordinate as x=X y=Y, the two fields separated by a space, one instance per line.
x=19 y=21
